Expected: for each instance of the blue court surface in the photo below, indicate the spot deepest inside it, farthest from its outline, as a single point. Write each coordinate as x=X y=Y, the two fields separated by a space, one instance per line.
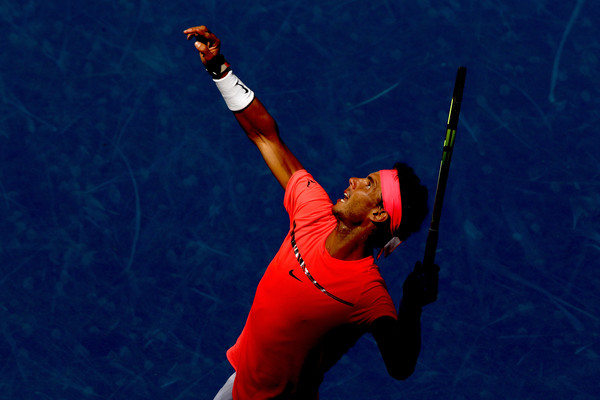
x=136 y=219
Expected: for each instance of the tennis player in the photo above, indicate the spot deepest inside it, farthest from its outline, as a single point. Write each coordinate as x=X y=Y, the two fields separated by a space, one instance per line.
x=322 y=291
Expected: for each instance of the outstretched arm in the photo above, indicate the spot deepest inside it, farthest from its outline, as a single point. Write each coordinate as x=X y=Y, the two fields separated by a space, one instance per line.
x=255 y=120
x=399 y=341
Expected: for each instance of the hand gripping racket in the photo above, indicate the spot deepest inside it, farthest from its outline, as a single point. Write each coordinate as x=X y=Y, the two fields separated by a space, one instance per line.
x=432 y=236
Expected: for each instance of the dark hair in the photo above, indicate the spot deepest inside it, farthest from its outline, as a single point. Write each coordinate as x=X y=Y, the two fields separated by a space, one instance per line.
x=414 y=208
x=414 y=201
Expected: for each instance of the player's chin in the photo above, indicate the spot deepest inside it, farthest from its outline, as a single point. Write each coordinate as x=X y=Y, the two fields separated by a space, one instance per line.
x=337 y=207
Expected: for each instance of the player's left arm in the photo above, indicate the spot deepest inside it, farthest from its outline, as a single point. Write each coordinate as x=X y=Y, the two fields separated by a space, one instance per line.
x=399 y=340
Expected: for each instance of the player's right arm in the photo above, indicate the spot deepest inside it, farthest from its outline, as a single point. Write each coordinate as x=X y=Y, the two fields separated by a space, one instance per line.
x=255 y=120
x=262 y=130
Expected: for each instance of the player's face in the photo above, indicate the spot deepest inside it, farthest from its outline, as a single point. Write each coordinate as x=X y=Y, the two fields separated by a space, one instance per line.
x=360 y=198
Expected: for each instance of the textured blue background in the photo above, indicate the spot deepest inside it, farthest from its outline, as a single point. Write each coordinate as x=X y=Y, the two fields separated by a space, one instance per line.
x=136 y=219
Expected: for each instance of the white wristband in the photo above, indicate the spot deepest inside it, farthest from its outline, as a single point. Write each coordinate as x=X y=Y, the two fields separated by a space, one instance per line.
x=237 y=96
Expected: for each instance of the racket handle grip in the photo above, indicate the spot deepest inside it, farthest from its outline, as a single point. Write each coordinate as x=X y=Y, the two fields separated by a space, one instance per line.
x=430 y=247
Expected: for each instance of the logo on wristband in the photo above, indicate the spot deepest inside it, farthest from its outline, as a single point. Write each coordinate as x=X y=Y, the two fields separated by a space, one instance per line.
x=238 y=83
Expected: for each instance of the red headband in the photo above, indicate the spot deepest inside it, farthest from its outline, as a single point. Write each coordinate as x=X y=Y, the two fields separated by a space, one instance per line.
x=392 y=203
x=392 y=200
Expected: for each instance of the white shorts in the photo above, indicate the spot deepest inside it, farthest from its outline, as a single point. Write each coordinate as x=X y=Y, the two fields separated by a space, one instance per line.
x=226 y=392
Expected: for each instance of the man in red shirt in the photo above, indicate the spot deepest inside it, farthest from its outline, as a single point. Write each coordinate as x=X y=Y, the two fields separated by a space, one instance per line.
x=322 y=290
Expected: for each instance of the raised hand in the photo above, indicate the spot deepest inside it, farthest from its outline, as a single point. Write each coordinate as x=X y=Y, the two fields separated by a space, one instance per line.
x=207 y=43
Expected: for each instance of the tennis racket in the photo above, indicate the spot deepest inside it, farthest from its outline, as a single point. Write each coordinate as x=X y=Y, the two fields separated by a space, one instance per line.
x=432 y=236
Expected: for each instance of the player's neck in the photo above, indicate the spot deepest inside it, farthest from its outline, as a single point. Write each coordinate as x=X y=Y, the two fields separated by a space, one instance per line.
x=348 y=244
